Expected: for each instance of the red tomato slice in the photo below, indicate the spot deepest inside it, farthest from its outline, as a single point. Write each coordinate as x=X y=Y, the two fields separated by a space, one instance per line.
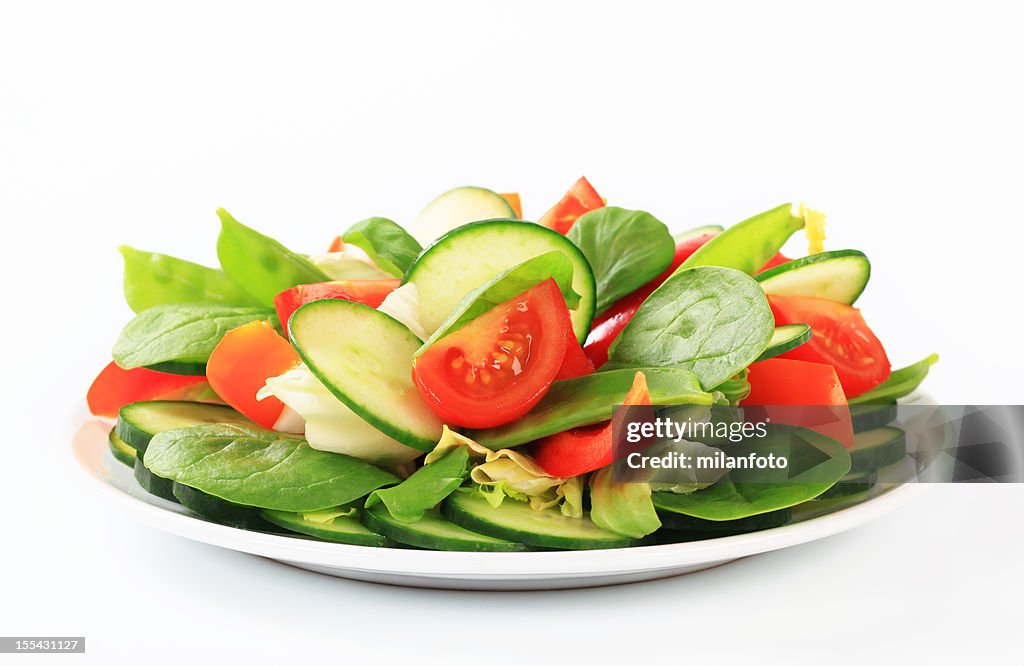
x=841 y=339
x=242 y=362
x=609 y=324
x=116 y=387
x=583 y=450
x=581 y=198
x=367 y=292
x=498 y=366
x=781 y=381
x=575 y=363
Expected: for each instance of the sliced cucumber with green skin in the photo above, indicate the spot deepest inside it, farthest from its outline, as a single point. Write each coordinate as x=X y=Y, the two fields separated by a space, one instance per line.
x=835 y=276
x=217 y=510
x=467 y=257
x=457 y=207
x=879 y=447
x=699 y=231
x=434 y=532
x=140 y=422
x=189 y=368
x=785 y=338
x=344 y=529
x=517 y=521
x=762 y=521
x=364 y=357
x=868 y=417
x=851 y=484
x=121 y=451
x=153 y=484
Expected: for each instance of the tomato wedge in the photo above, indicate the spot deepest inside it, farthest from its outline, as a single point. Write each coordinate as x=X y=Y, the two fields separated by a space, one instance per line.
x=337 y=245
x=841 y=339
x=575 y=363
x=498 y=366
x=581 y=198
x=583 y=450
x=116 y=387
x=812 y=387
x=367 y=292
x=242 y=362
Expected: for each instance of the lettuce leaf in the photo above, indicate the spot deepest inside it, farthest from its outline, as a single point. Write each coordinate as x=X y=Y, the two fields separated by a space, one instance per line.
x=330 y=425
x=513 y=474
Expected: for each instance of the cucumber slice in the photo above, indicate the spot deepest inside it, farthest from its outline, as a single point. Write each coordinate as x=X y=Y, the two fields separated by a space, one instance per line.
x=217 y=510
x=879 y=447
x=457 y=207
x=364 y=357
x=868 y=417
x=851 y=484
x=433 y=532
x=153 y=484
x=836 y=276
x=190 y=368
x=517 y=521
x=140 y=422
x=699 y=231
x=789 y=336
x=762 y=521
x=121 y=451
x=344 y=529
x=467 y=257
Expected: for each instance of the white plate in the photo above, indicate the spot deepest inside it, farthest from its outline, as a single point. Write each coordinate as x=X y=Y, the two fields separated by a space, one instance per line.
x=465 y=571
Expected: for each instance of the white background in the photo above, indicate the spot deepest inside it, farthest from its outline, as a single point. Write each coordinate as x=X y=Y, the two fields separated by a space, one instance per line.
x=131 y=123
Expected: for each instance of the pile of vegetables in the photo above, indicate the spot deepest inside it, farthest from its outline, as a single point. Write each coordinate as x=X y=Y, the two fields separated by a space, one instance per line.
x=459 y=396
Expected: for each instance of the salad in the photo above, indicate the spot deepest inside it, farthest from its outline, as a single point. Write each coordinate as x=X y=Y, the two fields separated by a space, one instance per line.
x=451 y=385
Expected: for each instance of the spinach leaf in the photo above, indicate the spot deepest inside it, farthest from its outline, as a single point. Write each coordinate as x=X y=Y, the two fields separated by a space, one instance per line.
x=157 y=279
x=258 y=263
x=748 y=245
x=714 y=321
x=507 y=285
x=185 y=332
x=572 y=403
x=426 y=488
x=253 y=466
x=901 y=383
x=625 y=248
x=389 y=245
x=815 y=463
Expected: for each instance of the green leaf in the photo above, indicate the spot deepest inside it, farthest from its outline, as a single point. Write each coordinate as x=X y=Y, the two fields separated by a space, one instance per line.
x=901 y=383
x=623 y=508
x=253 y=466
x=714 y=321
x=626 y=249
x=389 y=245
x=158 y=279
x=572 y=403
x=259 y=264
x=815 y=463
x=507 y=285
x=426 y=488
x=749 y=245
x=183 y=332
